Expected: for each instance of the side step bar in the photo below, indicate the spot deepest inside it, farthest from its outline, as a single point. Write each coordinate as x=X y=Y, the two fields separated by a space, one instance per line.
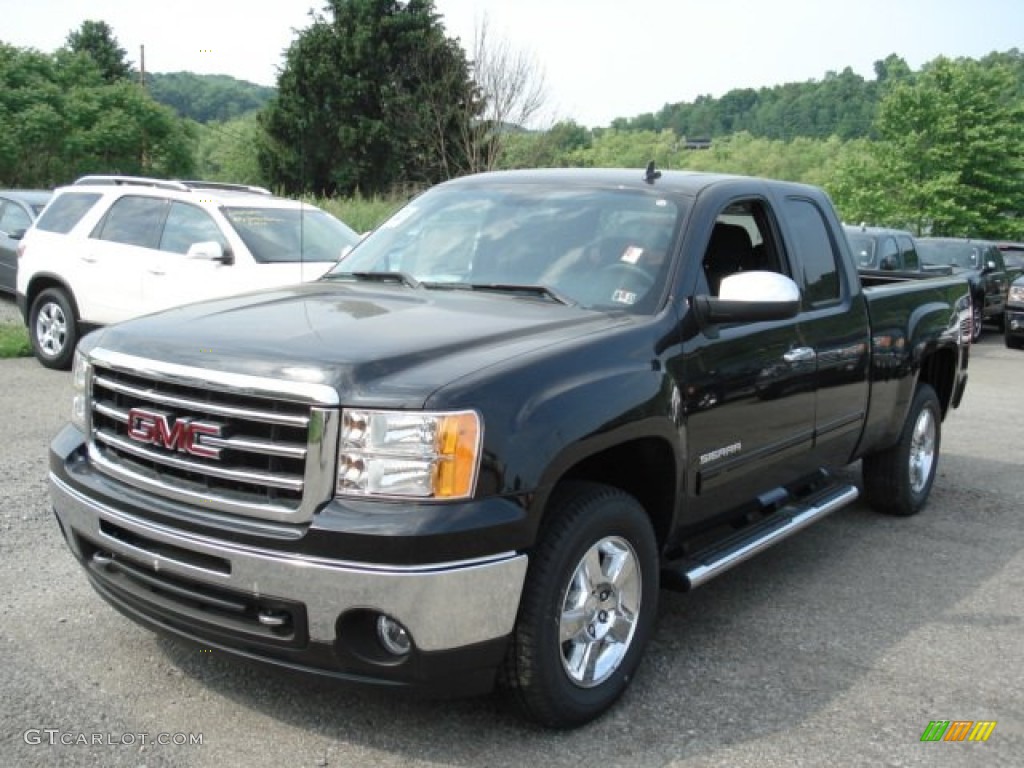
x=700 y=567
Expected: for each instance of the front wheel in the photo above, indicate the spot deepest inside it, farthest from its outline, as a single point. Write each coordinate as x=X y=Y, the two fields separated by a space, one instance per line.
x=588 y=607
x=897 y=481
x=53 y=329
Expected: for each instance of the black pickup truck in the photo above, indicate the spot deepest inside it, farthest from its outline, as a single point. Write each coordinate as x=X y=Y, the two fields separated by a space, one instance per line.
x=981 y=263
x=475 y=451
x=888 y=255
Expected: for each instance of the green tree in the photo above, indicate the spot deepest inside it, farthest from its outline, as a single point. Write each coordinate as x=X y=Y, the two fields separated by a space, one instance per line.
x=227 y=151
x=207 y=98
x=949 y=159
x=96 y=39
x=70 y=121
x=356 y=108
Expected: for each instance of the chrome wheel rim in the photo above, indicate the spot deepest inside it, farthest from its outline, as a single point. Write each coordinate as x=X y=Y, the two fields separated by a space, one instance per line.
x=977 y=318
x=922 y=450
x=51 y=329
x=600 y=612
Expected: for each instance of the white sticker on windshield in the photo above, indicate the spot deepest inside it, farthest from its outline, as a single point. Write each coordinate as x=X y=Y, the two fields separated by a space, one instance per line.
x=632 y=254
x=624 y=297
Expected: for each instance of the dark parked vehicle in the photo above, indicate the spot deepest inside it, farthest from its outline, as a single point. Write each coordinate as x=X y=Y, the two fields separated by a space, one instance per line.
x=18 y=209
x=981 y=262
x=1013 y=322
x=1013 y=257
x=881 y=249
x=478 y=447
x=887 y=255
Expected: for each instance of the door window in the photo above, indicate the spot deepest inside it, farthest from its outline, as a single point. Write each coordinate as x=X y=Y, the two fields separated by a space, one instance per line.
x=908 y=253
x=12 y=218
x=815 y=252
x=740 y=241
x=133 y=221
x=187 y=225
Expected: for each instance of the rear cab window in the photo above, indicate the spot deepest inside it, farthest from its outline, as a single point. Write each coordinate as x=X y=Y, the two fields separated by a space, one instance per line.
x=66 y=210
x=815 y=253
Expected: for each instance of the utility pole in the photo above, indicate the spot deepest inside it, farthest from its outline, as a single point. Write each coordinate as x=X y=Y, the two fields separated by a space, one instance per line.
x=142 y=66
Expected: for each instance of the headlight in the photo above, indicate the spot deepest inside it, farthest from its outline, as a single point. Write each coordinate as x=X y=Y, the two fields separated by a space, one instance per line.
x=1017 y=294
x=81 y=373
x=409 y=454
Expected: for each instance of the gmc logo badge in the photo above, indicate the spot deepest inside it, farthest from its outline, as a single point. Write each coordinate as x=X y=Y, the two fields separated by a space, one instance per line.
x=156 y=428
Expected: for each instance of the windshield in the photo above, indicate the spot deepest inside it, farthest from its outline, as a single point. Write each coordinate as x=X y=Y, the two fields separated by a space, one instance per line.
x=964 y=255
x=291 y=234
x=1013 y=257
x=592 y=247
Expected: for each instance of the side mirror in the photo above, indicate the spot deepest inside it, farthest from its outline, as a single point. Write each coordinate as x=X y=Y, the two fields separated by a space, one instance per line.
x=990 y=266
x=209 y=251
x=750 y=297
x=17 y=233
x=888 y=263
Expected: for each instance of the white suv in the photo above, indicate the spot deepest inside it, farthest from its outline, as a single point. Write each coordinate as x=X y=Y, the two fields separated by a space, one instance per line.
x=109 y=248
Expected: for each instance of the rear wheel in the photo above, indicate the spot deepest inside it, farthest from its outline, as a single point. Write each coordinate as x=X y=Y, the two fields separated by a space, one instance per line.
x=588 y=607
x=53 y=329
x=897 y=481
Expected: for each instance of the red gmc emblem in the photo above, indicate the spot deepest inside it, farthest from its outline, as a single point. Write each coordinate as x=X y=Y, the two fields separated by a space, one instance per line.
x=156 y=428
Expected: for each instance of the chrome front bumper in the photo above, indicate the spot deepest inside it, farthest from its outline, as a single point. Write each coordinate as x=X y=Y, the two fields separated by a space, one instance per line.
x=443 y=606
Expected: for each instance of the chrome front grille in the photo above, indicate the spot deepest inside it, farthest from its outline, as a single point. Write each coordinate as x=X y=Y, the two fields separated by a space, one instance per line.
x=217 y=443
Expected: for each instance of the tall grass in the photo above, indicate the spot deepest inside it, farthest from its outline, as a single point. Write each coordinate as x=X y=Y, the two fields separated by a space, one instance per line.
x=360 y=213
x=14 y=341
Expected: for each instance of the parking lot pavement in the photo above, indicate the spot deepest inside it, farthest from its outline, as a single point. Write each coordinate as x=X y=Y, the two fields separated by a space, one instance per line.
x=837 y=647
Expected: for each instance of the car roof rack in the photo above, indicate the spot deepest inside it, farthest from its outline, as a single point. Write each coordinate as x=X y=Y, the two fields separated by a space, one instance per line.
x=138 y=180
x=226 y=187
x=179 y=186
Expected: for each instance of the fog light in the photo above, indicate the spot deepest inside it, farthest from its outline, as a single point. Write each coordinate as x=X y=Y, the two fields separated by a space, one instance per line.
x=393 y=636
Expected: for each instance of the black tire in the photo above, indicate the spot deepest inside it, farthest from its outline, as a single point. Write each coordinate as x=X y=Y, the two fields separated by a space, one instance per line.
x=53 y=329
x=1012 y=340
x=897 y=481
x=613 y=615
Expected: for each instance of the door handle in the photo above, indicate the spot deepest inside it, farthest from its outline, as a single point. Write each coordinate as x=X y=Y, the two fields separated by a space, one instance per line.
x=799 y=355
x=88 y=258
x=159 y=271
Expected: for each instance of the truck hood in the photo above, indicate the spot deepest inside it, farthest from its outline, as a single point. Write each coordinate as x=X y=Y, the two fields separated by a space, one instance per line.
x=388 y=345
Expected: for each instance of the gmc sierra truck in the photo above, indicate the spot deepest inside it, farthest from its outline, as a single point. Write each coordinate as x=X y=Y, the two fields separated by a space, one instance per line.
x=474 y=452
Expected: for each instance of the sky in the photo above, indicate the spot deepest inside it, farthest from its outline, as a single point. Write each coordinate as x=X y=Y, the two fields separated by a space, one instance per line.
x=600 y=59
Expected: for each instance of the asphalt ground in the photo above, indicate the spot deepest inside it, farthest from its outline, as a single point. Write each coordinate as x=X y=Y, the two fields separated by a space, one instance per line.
x=836 y=648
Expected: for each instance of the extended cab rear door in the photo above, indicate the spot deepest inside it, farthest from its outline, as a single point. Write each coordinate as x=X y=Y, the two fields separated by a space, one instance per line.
x=833 y=324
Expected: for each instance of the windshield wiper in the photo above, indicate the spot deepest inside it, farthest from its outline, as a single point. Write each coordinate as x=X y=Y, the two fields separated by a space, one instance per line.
x=531 y=289
x=383 y=277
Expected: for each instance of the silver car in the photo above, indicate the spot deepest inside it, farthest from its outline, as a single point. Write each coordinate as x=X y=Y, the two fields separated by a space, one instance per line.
x=18 y=209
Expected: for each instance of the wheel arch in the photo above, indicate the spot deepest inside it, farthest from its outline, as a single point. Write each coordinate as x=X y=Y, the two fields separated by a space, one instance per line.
x=938 y=368
x=42 y=282
x=643 y=467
